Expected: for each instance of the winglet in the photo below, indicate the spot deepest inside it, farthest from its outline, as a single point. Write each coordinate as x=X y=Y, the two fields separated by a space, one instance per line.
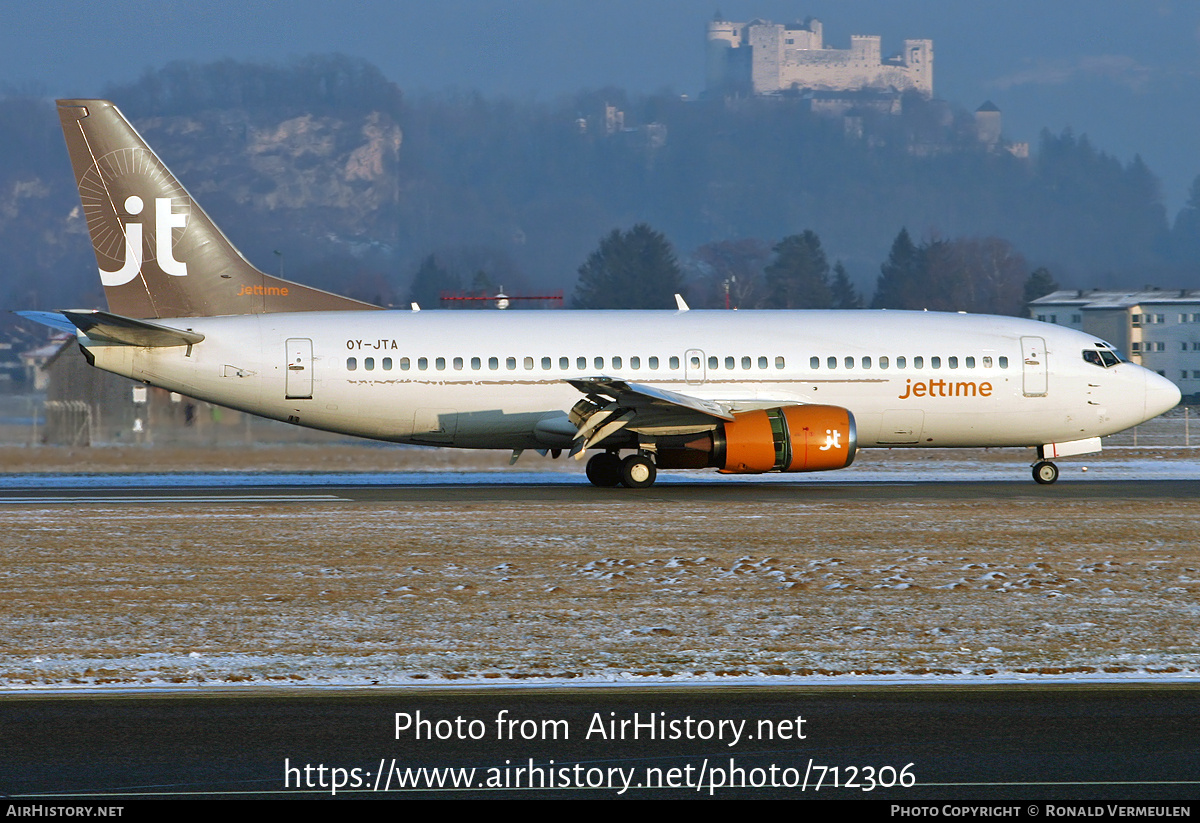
x=680 y=303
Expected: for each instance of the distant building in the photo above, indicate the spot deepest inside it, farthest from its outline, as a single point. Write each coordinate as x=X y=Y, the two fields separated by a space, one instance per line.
x=988 y=127
x=1157 y=328
x=987 y=124
x=761 y=57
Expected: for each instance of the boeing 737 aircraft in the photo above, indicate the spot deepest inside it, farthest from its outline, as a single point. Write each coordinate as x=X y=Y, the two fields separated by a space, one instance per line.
x=742 y=392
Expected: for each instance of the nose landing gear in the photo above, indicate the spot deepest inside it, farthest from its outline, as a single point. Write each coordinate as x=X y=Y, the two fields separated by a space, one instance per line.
x=1045 y=472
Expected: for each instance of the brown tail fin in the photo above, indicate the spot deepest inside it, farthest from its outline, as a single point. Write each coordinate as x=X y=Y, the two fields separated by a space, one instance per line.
x=159 y=254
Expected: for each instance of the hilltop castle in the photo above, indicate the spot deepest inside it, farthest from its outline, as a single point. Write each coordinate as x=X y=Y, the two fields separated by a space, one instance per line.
x=761 y=57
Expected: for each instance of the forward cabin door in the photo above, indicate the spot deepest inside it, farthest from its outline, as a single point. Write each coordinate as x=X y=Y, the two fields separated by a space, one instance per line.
x=299 y=369
x=1033 y=359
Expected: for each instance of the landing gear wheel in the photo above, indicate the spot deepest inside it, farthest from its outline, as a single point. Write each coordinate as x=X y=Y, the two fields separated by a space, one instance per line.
x=1045 y=472
x=638 y=472
x=604 y=469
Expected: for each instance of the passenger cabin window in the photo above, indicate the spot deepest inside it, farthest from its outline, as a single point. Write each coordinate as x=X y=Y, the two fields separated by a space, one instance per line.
x=404 y=364
x=883 y=362
x=1004 y=362
x=441 y=364
x=458 y=364
x=814 y=362
x=779 y=362
x=369 y=363
x=674 y=362
x=493 y=363
x=422 y=363
x=762 y=362
x=918 y=362
x=476 y=363
x=351 y=363
x=635 y=362
x=387 y=364
x=654 y=362
x=866 y=362
x=616 y=361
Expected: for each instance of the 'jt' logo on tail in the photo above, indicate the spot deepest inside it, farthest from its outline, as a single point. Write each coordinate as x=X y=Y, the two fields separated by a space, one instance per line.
x=164 y=221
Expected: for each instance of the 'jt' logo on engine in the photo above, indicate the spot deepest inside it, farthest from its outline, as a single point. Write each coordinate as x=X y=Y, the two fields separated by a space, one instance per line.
x=833 y=440
x=164 y=221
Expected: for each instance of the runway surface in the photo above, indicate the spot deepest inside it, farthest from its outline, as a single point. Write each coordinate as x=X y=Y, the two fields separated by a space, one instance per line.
x=148 y=489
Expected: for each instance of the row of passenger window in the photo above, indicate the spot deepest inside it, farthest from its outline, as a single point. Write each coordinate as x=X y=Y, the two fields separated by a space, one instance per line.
x=635 y=363
x=918 y=362
x=547 y=363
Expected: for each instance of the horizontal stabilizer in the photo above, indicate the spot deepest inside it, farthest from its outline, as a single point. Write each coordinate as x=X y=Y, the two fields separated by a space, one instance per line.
x=113 y=328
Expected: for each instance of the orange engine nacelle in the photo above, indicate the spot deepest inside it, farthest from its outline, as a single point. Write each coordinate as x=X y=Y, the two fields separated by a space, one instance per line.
x=787 y=439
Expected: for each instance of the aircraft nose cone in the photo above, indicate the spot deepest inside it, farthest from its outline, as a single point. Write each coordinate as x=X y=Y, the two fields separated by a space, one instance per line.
x=1161 y=395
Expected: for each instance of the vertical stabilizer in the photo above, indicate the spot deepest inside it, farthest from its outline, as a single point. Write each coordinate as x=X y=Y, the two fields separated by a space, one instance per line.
x=159 y=254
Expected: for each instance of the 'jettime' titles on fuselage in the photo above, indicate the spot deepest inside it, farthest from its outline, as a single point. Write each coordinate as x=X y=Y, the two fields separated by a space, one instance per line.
x=945 y=388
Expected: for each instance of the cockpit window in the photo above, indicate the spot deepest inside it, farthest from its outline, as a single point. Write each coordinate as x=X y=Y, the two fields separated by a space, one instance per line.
x=1105 y=358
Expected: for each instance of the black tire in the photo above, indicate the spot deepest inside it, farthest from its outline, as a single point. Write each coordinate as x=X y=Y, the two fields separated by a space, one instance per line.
x=638 y=472
x=1045 y=472
x=604 y=469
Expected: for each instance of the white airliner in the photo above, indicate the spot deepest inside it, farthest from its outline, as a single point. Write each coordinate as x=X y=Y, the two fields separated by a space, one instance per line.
x=744 y=392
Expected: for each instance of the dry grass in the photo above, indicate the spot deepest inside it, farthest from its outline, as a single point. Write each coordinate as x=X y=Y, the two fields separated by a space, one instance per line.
x=386 y=593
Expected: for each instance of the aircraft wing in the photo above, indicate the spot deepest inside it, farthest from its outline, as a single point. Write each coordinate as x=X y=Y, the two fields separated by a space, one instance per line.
x=618 y=404
x=643 y=398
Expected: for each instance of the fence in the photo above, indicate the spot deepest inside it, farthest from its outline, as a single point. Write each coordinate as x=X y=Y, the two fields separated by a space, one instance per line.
x=1177 y=431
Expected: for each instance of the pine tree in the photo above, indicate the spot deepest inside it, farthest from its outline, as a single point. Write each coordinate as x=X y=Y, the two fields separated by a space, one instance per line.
x=429 y=283
x=1039 y=284
x=901 y=277
x=1185 y=236
x=845 y=296
x=798 y=278
x=631 y=270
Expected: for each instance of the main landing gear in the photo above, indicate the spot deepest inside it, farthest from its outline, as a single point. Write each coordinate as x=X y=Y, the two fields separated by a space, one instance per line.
x=1045 y=472
x=634 y=472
